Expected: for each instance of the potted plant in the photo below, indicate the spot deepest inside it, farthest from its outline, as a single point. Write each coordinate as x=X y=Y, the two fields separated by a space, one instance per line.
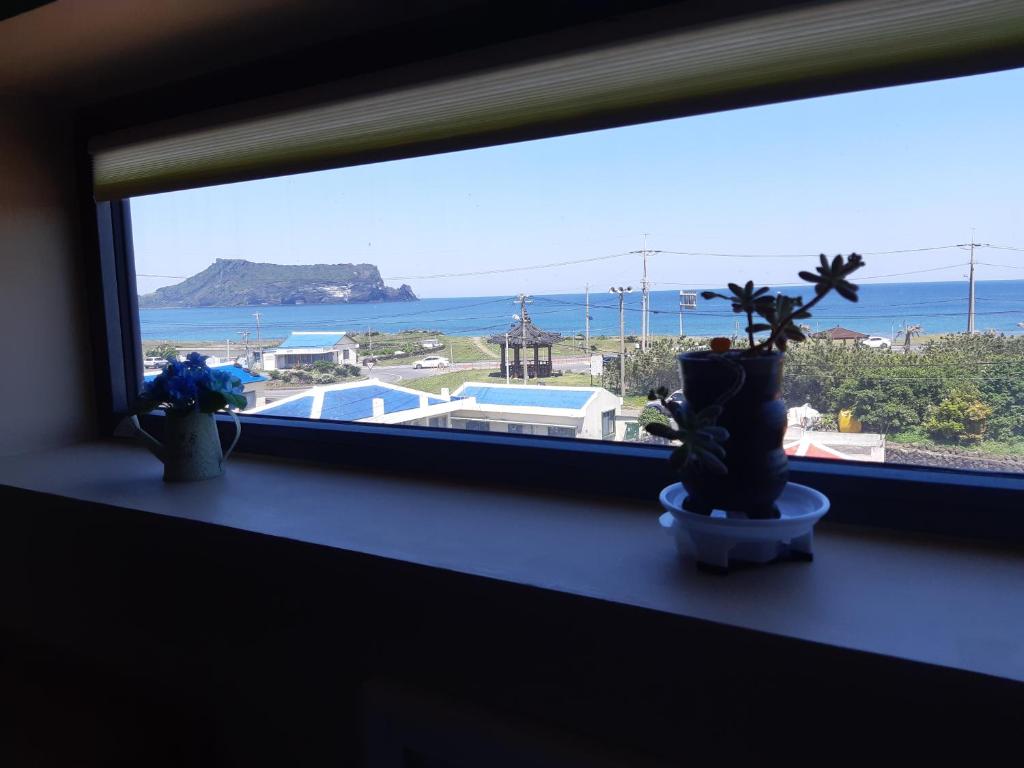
x=190 y=393
x=731 y=423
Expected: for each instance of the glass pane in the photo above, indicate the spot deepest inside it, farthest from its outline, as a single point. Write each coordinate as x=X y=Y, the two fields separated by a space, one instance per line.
x=504 y=289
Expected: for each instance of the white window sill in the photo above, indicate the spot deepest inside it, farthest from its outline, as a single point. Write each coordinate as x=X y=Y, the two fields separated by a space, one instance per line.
x=934 y=601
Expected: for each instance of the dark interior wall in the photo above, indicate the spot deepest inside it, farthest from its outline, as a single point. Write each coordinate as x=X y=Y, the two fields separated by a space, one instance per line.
x=46 y=386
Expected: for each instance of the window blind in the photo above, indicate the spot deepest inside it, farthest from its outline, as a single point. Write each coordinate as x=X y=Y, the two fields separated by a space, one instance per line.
x=807 y=50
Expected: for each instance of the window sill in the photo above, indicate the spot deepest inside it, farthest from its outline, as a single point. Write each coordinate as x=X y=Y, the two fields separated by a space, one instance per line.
x=908 y=597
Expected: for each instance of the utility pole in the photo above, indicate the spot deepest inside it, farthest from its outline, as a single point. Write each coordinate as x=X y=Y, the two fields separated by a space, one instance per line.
x=245 y=342
x=229 y=350
x=523 y=299
x=587 y=316
x=622 y=335
x=970 y=291
x=645 y=304
x=970 y=285
x=259 y=337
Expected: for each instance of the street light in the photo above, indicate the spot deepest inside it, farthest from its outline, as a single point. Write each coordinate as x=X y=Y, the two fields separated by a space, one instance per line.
x=622 y=335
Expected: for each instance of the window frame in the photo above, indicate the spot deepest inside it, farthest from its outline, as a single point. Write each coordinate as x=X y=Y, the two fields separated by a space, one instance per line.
x=892 y=497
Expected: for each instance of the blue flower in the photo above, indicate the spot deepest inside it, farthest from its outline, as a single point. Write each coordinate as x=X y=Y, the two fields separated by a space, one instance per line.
x=190 y=385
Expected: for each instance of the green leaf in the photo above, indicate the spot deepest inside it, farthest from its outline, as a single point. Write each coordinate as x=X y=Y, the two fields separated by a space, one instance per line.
x=211 y=402
x=237 y=401
x=662 y=430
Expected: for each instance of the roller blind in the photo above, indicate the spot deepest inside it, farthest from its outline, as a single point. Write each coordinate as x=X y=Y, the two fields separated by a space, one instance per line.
x=824 y=46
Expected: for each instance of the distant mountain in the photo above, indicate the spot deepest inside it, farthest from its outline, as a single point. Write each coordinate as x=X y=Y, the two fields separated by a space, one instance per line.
x=237 y=283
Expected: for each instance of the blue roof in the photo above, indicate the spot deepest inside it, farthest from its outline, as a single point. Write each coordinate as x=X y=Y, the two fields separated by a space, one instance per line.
x=241 y=374
x=308 y=339
x=300 y=408
x=536 y=397
x=357 y=402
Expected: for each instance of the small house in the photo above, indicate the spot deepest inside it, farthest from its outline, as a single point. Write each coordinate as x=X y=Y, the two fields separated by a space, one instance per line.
x=307 y=347
x=842 y=335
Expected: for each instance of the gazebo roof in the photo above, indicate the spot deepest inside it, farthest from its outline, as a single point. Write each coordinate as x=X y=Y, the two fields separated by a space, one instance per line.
x=839 y=334
x=535 y=337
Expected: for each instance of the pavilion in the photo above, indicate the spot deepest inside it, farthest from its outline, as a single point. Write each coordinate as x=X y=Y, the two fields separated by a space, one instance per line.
x=842 y=335
x=518 y=343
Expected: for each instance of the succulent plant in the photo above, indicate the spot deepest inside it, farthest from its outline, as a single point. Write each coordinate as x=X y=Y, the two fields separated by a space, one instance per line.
x=780 y=313
x=701 y=439
x=699 y=436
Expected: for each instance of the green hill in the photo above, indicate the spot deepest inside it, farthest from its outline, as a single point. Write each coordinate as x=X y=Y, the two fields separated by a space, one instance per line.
x=237 y=283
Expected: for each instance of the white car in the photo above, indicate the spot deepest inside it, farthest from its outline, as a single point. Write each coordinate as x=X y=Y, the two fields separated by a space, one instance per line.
x=431 y=361
x=876 y=342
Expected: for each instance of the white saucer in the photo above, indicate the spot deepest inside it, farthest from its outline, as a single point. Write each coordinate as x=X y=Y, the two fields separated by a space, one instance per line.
x=714 y=540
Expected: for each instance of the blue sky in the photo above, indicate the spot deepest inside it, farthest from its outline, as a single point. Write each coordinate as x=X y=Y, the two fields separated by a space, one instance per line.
x=900 y=168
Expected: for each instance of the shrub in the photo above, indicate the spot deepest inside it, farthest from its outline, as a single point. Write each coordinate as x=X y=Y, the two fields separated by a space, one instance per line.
x=960 y=418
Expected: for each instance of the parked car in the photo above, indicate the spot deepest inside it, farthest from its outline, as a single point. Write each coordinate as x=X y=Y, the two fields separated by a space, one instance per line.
x=876 y=342
x=154 y=362
x=431 y=344
x=431 y=361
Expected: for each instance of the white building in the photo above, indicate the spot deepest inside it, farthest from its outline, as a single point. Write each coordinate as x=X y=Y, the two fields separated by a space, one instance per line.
x=305 y=347
x=525 y=409
x=582 y=412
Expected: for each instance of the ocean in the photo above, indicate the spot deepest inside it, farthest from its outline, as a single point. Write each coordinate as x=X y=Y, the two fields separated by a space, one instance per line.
x=881 y=310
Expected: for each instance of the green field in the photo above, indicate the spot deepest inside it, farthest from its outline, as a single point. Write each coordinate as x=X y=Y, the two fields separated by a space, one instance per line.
x=456 y=379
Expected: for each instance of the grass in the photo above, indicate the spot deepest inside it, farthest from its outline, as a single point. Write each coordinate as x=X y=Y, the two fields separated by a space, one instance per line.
x=986 y=447
x=458 y=349
x=456 y=379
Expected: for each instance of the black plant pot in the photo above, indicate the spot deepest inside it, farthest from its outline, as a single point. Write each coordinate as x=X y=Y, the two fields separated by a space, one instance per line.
x=756 y=419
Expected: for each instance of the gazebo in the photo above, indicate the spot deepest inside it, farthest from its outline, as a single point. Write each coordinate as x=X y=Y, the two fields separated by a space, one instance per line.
x=518 y=343
x=844 y=335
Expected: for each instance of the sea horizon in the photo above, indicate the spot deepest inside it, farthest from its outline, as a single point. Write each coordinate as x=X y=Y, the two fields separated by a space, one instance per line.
x=939 y=307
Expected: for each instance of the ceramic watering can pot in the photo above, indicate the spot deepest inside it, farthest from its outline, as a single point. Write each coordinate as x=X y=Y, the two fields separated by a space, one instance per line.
x=191 y=447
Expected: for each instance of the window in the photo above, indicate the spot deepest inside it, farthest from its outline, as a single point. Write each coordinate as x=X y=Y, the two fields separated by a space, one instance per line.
x=950 y=404
x=554 y=431
x=894 y=378
x=608 y=425
x=520 y=429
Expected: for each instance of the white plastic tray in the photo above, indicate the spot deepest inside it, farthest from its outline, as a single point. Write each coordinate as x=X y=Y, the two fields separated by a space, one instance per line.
x=715 y=540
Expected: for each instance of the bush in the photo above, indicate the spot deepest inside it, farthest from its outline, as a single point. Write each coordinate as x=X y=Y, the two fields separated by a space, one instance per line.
x=960 y=418
x=162 y=351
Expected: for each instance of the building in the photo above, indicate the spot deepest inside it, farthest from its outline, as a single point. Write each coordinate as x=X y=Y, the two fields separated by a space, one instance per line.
x=306 y=347
x=581 y=412
x=842 y=335
x=849 y=446
x=370 y=400
x=253 y=385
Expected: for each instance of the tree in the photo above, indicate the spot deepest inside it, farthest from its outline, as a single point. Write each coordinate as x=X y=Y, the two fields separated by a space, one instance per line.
x=651 y=415
x=163 y=351
x=960 y=418
x=911 y=331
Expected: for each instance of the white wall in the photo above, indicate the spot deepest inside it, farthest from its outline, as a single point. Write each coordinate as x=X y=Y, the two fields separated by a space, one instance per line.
x=46 y=388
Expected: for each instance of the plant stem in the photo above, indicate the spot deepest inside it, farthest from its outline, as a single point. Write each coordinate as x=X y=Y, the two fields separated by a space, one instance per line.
x=781 y=325
x=750 y=322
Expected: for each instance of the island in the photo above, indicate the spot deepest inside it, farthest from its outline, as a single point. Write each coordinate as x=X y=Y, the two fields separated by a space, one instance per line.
x=241 y=283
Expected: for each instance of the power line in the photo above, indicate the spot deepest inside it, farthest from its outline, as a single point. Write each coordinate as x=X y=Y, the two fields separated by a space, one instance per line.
x=507 y=269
